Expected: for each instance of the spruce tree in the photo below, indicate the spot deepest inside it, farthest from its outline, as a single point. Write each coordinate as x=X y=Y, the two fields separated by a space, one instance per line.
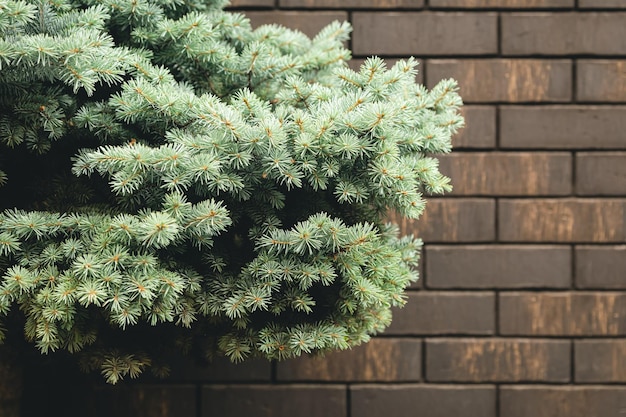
x=173 y=180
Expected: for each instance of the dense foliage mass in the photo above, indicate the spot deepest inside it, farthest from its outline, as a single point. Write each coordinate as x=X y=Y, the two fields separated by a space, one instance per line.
x=174 y=180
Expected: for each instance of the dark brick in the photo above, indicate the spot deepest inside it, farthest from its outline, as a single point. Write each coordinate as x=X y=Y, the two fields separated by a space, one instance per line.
x=145 y=401
x=508 y=174
x=410 y=400
x=499 y=266
x=479 y=130
x=497 y=360
x=563 y=314
x=564 y=33
x=310 y=23
x=353 y=4
x=600 y=361
x=564 y=401
x=452 y=220
x=378 y=360
x=510 y=80
x=439 y=313
x=422 y=34
x=220 y=369
x=601 y=80
x=601 y=267
x=503 y=4
x=563 y=127
x=560 y=220
x=599 y=4
x=356 y=63
x=274 y=400
x=601 y=173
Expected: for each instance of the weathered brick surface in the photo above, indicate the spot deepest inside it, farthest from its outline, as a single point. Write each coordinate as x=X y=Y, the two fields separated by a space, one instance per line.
x=601 y=173
x=480 y=128
x=563 y=314
x=411 y=33
x=599 y=4
x=498 y=266
x=453 y=220
x=274 y=401
x=508 y=174
x=144 y=401
x=508 y=80
x=497 y=360
x=564 y=33
x=430 y=400
x=601 y=267
x=379 y=360
x=445 y=313
x=601 y=80
x=353 y=4
x=598 y=361
x=563 y=127
x=565 y=401
x=562 y=220
x=504 y=4
x=309 y=23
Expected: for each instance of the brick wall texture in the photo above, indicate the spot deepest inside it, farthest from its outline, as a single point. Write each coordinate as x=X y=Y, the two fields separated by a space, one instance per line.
x=521 y=309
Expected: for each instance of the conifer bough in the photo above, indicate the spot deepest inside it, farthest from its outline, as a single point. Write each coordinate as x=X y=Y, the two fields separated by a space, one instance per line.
x=174 y=180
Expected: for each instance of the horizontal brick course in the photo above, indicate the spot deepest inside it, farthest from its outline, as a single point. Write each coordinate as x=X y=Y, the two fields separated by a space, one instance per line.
x=444 y=313
x=409 y=400
x=411 y=33
x=510 y=80
x=385 y=359
x=480 y=128
x=601 y=80
x=497 y=360
x=601 y=173
x=601 y=267
x=564 y=33
x=452 y=220
x=498 y=266
x=219 y=369
x=560 y=220
x=274 y=400
x=600 y=360
x=353 y=4
x=504 y=4
x=251 y=3
x=598 y=4
x=563 y=314
x=566 y=401
x=310 y=23
x=563 y=127
x=508 y=174
x=144 y=400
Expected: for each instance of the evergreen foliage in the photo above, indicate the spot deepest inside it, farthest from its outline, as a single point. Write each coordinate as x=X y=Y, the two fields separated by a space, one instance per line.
x=174 y=180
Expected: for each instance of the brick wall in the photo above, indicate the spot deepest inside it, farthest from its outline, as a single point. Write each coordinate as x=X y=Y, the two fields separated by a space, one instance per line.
x=521 y=311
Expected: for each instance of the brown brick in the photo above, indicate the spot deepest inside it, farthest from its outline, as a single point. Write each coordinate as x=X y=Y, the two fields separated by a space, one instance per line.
x=600 y=361
x=599 y=4
x=356 y=63
x=510 y=80
x=407 y=33
x=452 y=220
x=479 y=130
x=503 y=4
x=563 y=314
x=601 y=173
x=601 y=267
x=353 y=4
x=220 y=369
x=409 y=400
x=443 y=313
x=497 y=360
x=508 y=174
x=564 y=33
x=563 y=401
x=310 y=23
x=144 y=401
x=251 y=3
x=274 y=400
x=383 y=359
x=562 y=220
x=601 y=80
x=498 y=266
x=563 y=127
